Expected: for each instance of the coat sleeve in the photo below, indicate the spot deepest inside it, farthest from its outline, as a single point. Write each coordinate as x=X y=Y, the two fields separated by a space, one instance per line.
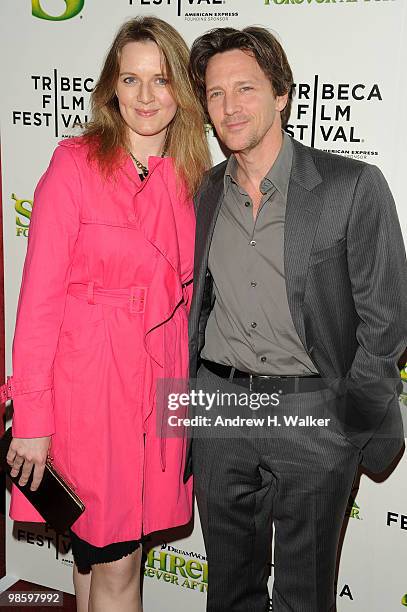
x=378 y=274
x=53 y=233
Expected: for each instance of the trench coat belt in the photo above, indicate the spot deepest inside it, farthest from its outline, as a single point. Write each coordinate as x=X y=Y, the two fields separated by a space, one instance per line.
x=133 y=298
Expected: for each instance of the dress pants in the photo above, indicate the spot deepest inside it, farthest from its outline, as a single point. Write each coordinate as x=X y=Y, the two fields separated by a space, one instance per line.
x=247 y=478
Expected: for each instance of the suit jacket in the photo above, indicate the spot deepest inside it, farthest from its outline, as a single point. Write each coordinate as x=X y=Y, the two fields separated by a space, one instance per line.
x=346 y=281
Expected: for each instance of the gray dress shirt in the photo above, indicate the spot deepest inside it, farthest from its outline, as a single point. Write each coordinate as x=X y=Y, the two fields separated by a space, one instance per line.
x=250 y=326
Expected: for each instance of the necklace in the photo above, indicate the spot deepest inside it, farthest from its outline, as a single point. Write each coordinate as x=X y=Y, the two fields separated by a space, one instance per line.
x=141 y=166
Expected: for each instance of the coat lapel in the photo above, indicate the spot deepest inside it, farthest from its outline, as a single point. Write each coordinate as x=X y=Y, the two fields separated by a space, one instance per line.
x=154 y=209
x=301 y=221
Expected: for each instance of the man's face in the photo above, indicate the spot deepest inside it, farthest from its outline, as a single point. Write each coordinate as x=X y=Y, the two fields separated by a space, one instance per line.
x=241 y=103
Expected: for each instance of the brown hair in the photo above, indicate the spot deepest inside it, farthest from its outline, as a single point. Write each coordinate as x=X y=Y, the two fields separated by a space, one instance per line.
x=255 y=40
x=186 y=141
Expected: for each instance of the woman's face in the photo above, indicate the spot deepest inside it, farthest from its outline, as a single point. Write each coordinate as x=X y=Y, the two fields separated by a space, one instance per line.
x=145 y=100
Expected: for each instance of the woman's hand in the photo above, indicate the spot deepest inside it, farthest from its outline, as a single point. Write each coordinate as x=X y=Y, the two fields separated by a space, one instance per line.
x=29 y=453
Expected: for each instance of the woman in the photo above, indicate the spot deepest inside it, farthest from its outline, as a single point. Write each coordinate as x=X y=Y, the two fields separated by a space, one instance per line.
x=102 y=314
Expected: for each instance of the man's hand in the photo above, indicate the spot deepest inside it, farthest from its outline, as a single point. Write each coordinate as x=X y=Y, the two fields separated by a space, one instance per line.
x=29 y=453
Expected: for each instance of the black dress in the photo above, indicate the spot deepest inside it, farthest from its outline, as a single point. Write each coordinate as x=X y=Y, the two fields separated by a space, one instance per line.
x=85 y=555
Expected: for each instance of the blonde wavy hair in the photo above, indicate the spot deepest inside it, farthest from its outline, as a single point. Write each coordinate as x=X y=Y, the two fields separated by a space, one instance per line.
x=107 y=132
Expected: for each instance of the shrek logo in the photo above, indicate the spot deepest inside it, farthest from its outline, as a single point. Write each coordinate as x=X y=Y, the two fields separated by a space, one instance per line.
x=404 y=600
x=353 y=510
x=23 y=209
x=72 y=8
x=177 y=569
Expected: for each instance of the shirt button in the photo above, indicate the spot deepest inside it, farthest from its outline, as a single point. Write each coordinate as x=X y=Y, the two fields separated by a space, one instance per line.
x=253 y=284
x=247 y=203
x=253 y=242
x=263 y=359
x=254 y=324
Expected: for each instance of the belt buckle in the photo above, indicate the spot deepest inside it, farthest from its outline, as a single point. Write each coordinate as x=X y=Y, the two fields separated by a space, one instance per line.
x=274 y=383
x=257 y=377
x=263 y=378
x=137 y=303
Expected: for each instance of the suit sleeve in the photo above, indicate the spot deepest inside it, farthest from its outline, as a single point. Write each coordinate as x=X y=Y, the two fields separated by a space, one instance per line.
x=53 y=233
x=378 y=274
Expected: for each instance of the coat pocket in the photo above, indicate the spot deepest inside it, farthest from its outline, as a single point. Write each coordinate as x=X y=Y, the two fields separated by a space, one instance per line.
x=336 y=250
x=83 y=338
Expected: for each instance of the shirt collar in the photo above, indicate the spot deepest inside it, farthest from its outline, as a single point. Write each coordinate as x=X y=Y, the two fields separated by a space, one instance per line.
x=230 y=172
x=279 y=174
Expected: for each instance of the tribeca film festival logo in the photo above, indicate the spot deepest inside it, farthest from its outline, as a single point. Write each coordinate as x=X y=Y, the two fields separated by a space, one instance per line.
x=344 y=592
x=193 y=10
x=62 y=103
x=45 y=538
x=394 y=519
x=23 y=208
x=187 y=570
x=398 y=521
x=72 y=8
x=324 y=110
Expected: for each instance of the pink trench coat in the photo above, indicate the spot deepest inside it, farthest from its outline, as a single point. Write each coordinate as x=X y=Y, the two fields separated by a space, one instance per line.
x=102 y=315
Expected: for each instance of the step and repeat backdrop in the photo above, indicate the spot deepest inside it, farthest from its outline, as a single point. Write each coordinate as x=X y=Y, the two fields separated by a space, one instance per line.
x=349 y=60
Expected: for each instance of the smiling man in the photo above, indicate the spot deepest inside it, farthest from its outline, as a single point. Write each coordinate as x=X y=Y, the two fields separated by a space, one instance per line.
x=300 y=288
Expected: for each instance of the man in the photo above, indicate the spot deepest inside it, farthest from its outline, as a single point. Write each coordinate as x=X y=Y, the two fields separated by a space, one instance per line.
x=300 y=291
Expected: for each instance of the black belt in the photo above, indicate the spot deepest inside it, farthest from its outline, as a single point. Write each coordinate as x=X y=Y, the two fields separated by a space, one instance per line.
x=269 y=384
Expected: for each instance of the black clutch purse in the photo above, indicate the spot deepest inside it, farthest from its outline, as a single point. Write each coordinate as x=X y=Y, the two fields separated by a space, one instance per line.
x=54 y=499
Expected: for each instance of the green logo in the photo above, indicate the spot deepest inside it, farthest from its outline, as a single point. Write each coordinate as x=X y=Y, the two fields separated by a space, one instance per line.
x=178 y=569
x=353 y=510
x=404 y=600
x=73 y=8
x=23 y=208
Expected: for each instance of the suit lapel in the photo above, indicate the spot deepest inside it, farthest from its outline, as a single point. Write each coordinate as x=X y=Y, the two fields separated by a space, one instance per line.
x=210 y=201
x=301 y=221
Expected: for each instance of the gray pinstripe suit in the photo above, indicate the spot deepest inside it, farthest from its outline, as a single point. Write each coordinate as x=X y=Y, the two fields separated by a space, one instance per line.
x=346 y=285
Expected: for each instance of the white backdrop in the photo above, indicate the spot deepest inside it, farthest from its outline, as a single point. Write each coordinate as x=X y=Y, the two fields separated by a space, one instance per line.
x=349 y=59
